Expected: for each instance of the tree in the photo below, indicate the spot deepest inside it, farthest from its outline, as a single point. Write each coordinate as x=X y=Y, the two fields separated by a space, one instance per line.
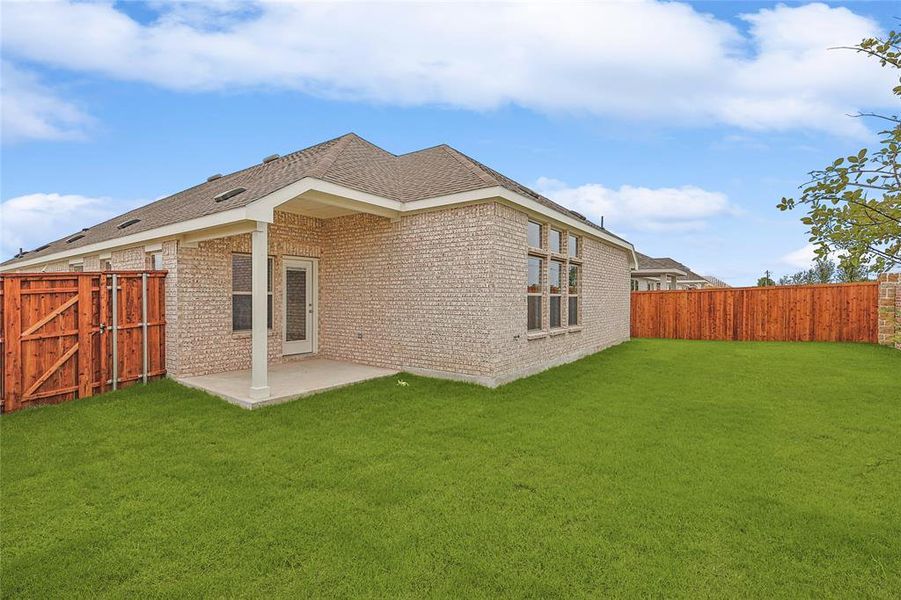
x=854 y=204
x=848 y=272
x=765 y=281
x=823 y=271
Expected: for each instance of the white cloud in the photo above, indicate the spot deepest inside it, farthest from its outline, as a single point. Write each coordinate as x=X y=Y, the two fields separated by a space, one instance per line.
x=643 y=60
x=630 y=208
x=32 y=111
x=30 y=220
x=801 y=258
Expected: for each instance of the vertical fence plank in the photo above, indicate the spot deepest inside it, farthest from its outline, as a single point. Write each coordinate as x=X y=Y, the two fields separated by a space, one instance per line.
x=12 y=331
x=85 y=336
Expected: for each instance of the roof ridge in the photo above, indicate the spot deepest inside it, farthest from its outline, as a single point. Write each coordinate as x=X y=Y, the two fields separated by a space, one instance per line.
x=331 y=155
x=470 y=164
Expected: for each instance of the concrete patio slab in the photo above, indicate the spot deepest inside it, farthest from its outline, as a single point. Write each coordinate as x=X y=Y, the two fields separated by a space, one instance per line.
x=287 y=381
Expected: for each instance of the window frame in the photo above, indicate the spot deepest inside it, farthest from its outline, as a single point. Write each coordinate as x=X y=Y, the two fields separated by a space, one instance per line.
x=573 y=245
x=541 y=226
x=530 y=293
x=558 y=295
x=270 y=285
x=577 y=295
x=550 y=246
x=150 y=259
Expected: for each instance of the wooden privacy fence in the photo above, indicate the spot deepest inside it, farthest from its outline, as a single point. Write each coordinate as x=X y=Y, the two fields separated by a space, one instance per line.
x=73 y=335
x=803 y=313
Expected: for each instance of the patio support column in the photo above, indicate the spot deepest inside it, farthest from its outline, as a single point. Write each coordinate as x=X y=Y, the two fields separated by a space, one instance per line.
x=664 y=282
x=259 y=374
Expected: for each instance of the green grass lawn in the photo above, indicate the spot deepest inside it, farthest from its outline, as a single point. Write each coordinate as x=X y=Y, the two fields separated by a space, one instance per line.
x=656 y=468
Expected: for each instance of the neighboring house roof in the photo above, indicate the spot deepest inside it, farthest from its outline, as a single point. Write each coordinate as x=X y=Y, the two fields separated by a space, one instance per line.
x=716 y=281
x=675 y=264
x=655 y=266
x=348 y=161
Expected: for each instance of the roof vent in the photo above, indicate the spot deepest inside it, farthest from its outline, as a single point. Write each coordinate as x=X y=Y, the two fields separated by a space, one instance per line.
x=75 y=238
x=270 y=158
x=578 y=214
x=39 y=248
x=127 y=223
x=85 y=228
x=214 y=177
x=228 y=194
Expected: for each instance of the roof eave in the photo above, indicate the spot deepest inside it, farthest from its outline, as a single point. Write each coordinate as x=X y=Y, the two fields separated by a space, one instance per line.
x=263 y=209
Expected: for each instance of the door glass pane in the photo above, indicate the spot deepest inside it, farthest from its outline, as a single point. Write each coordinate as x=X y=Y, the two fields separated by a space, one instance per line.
x=296 y=305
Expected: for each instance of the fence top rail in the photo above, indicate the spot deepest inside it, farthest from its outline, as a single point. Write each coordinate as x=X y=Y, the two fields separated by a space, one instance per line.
x=72 y=274
x=764 y=287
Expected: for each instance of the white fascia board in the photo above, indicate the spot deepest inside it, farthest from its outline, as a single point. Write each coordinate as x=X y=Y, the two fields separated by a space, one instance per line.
x=166 y=231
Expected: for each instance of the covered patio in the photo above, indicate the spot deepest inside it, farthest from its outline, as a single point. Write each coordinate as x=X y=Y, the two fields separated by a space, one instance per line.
x=287 y=381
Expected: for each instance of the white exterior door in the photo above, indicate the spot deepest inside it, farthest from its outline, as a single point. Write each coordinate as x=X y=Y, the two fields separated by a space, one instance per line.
x=300 y=307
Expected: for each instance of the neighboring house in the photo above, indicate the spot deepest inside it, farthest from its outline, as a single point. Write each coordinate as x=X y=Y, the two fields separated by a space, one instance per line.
x=665 y=274
x=716 y=282
x=429 y=262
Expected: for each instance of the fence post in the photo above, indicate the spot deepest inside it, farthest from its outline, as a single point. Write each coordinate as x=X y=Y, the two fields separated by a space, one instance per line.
x=144 y=327
x=115 y=327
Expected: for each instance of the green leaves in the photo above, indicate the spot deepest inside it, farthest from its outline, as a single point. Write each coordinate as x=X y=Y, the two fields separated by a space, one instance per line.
x=854 y=204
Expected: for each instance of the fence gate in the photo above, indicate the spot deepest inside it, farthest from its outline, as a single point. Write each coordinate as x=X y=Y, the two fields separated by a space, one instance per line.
x=73 y=335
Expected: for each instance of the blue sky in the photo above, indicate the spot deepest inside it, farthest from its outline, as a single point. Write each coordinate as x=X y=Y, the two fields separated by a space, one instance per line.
x=682 y=124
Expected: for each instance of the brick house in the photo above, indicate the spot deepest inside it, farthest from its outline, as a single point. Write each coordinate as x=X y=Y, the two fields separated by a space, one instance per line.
x=428 y=262
x=668 y=274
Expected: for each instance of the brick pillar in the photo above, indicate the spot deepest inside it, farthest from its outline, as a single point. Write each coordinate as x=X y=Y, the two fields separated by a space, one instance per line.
x=890 y=309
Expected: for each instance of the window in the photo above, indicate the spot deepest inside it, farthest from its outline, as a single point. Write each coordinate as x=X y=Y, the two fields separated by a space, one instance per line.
x=535 y=234
x=154 y=260
x=534 y=291
x=555 y=289
x=634 y=285
x=572 y=246
x=241 y=292
x=575 y=281
x=553 y=239
x=106 y=265
x=77 y=267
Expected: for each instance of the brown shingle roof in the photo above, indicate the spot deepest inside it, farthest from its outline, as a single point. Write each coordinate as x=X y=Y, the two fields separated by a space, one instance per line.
x=689 y=274
x=348 y=160
x=646 y=263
